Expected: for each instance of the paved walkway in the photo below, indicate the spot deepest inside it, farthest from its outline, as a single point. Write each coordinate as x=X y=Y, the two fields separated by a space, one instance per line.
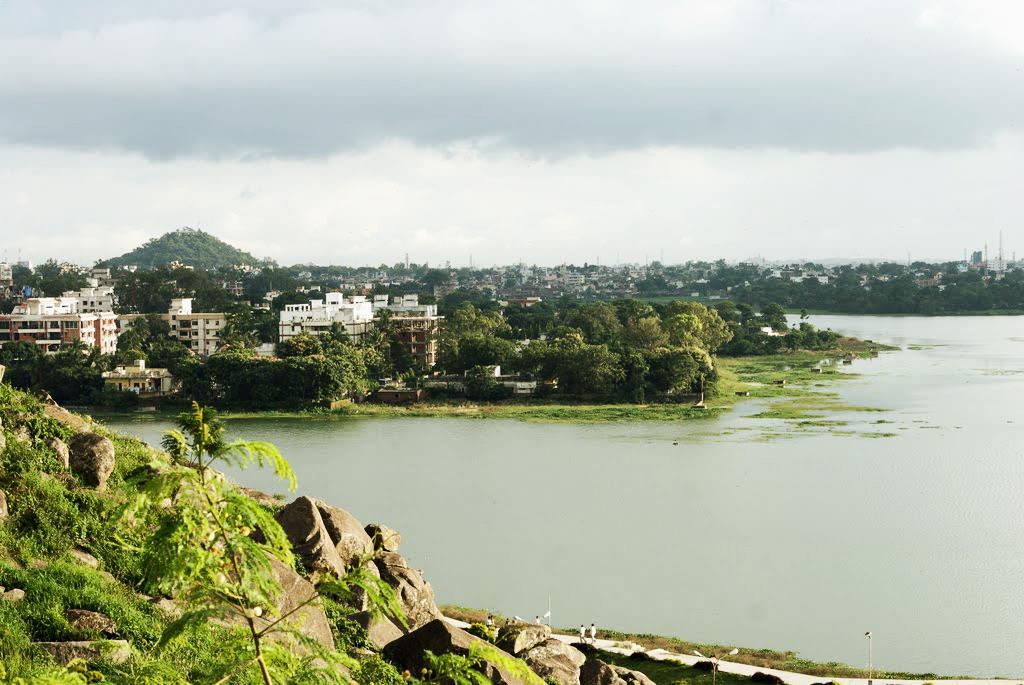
x=745 y=669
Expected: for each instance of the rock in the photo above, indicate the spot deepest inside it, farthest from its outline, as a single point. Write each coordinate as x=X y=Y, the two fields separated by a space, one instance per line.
x=348 y=535
x=4 y=511
x=260 y=497
x=384 y=539
x=771 y=678
x=86 y=621
x=72 y=421
x=597 y=672
x=92 y=458
x=115 y=651
x=415 y=595
x=311 y=621
x=556 y=661
x=22 y=435
x=3 y=441
x=519 y=637
x=167 y=607
x=379 y=629
x=305 y=529
x=84 y=558
x=441 y=638
x=60 y=448
x=15 y=595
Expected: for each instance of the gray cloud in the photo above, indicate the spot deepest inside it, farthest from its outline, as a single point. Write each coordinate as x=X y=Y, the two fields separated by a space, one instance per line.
x=229 y=80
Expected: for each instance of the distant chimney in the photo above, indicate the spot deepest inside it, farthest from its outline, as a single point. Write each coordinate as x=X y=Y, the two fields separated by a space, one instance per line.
x=140 y=364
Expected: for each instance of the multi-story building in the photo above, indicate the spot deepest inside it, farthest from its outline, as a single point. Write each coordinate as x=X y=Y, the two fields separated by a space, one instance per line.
x=417 y=326
x=94 y=299
x=199 y=331
x=55 y=322
x=352 y=315
x=6 y=275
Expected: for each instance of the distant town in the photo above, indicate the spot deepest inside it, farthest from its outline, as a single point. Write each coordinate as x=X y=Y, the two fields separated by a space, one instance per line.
x=209 y=304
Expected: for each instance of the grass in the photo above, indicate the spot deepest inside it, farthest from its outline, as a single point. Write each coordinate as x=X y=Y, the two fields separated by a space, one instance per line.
x=671 y=672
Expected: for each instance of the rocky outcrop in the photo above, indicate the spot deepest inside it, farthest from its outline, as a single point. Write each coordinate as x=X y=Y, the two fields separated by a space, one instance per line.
x=380 y=631
x=516 y=638
x=347 y=534
x=60 y=448
x=310 y=540
x=4 y=511
x=441 y=638
x=72 y=421
x=415 y=595
x=384 y=539
x=555 y=661
x=597 y=672
x=85 y=621
x=311 y=620
x=116 y=651
x=92 y=458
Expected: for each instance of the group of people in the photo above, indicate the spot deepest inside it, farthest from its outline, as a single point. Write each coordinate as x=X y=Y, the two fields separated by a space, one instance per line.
x=540 y=621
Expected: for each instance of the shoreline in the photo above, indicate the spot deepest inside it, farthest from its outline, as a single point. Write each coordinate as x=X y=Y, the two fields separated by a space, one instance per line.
x=788 y=376
x=782 y=661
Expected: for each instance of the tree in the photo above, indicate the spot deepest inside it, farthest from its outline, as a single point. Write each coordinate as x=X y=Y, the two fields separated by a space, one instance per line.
x=646 y=333
x=202 y=549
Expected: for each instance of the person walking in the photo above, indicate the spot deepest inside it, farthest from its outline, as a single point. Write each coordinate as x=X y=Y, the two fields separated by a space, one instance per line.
x=536 y=619
x=583 y=633
x=593 y=633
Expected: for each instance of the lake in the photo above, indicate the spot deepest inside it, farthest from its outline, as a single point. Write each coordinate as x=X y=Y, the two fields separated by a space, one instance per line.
x=799 y=542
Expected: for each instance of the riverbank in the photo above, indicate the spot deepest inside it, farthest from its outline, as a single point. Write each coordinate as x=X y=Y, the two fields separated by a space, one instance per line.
x=796 y=379
x=670 y=671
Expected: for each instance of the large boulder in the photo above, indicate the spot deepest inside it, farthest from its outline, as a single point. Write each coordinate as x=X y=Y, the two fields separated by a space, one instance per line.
x=311 y=620
x=439 y=637
x=555 y=661
x=347 y=534
x=116 y=651
x=310 y=540
x=597 y=672
x=415 y=595
x=380 y=631
x=85 y=621
x=384 y=539
x=4 y=511
x=516 y=638
x=92 y=458
x=72 y=421
x=60 y=448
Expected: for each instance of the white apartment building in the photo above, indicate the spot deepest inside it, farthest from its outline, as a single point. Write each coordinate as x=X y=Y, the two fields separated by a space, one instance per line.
x=353 y=315
x=94 y=299
x=199 y=331
x=55 y=322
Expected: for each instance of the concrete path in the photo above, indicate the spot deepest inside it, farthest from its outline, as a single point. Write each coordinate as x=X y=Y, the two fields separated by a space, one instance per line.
x=789 y=677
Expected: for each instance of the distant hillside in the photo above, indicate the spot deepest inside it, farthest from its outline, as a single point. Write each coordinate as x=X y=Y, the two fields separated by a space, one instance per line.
x=189 y=246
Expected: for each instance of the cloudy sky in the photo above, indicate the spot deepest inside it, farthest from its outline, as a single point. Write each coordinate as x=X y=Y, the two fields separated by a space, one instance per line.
x=547 y=131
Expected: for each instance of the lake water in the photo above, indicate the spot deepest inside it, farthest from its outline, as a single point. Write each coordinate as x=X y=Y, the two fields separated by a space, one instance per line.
x=802 y=542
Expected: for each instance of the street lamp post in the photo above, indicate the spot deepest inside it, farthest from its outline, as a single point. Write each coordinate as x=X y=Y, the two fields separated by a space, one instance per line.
x=714 y=659
x=871 y=664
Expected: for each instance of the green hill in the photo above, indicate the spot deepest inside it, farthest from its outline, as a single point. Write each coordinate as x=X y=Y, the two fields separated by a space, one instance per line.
x=189 y=246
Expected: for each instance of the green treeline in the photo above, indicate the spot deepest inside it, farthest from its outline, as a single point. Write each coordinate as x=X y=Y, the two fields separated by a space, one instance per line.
x=622 y=351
